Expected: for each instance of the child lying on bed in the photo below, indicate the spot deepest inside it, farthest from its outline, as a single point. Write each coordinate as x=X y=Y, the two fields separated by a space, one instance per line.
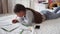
x=29 y=16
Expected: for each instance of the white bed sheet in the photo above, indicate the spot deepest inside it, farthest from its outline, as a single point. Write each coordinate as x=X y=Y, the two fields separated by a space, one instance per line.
x=6 y=23
x=47 y=27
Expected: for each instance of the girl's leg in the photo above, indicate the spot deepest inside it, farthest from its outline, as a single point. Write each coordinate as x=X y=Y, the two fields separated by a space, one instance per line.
x=56 y=10
x=49 y=15
x=58 y=14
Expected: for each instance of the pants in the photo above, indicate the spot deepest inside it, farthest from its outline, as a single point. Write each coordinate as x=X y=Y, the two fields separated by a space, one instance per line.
x=51 y=15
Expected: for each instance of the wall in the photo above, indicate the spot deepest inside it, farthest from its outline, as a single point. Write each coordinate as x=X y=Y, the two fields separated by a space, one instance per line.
x=0 y=6
x=8 y=5
x=4 y=5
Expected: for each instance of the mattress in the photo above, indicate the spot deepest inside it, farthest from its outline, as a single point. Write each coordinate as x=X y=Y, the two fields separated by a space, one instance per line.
x=47 y=27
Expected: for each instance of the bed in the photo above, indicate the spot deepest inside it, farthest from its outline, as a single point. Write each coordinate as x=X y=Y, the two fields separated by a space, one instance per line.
x=47 y=27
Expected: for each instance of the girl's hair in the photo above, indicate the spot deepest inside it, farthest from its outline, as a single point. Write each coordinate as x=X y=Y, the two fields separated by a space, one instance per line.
x=37 y=16
x=18 y=8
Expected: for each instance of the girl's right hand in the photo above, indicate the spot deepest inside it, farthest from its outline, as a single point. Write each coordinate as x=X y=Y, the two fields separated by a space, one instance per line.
x=15 y=21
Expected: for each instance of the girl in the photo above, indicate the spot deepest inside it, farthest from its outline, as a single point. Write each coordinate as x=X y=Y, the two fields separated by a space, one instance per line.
x=28 y=16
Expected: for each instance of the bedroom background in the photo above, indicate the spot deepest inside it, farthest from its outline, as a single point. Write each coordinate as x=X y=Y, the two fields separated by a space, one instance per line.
x=6 y=6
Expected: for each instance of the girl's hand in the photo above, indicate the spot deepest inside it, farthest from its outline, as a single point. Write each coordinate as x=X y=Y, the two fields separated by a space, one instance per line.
x=15 y=21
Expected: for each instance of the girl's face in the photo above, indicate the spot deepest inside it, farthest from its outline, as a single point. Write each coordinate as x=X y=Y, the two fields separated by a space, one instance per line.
x=21 y=13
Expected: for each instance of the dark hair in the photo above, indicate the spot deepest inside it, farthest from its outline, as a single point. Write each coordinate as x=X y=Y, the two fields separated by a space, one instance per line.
x=37 y=16
x=18 y=8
